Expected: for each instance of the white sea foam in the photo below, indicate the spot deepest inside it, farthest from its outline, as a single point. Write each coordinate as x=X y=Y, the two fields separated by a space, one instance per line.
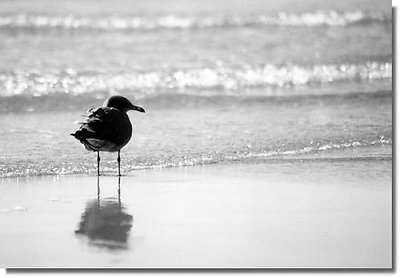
x=221 y=78
x=19 y=208
x=317 y=18
x=193 y=159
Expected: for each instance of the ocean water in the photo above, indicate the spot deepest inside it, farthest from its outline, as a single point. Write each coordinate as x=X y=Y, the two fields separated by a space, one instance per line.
x=221 y=81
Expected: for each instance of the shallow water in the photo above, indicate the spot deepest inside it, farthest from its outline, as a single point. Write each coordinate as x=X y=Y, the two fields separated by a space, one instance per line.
x=205 y=133
x=220 y=82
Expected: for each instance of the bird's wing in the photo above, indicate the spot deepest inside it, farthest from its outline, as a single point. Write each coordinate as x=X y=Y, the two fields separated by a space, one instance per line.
x=103 y=123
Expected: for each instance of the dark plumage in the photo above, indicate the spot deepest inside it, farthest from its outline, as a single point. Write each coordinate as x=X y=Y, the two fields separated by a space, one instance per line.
x=107 y=128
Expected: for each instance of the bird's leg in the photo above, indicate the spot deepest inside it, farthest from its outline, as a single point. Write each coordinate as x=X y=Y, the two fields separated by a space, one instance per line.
x=98 y=190
x=119 y=163
x=98 y=163
x=119 y=191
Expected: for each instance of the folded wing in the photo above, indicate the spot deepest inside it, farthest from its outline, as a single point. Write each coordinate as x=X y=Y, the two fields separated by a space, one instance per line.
x=104 y=129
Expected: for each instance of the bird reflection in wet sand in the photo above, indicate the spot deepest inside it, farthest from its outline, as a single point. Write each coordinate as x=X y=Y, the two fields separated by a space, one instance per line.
x=105 y=221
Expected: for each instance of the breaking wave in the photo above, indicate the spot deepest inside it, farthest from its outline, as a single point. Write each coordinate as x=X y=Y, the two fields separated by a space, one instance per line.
x=16 y=83
x=108 y=23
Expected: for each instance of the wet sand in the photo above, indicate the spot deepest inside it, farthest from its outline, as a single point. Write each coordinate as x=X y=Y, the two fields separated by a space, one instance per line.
x=299 y=213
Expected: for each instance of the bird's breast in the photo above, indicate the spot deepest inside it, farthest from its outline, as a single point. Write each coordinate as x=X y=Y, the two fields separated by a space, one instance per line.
x=122 y=131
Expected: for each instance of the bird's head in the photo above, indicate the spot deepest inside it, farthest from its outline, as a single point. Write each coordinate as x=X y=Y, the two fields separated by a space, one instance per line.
x=122 y=104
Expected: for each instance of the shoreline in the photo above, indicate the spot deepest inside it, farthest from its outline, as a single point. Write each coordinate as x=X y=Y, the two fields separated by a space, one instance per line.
x=381 y=151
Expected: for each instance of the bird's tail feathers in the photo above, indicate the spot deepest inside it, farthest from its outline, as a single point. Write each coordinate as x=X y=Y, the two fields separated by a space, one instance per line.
x=82 y=134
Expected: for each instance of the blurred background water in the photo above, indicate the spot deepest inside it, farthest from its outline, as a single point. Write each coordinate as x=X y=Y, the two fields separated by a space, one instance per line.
x=221 y=81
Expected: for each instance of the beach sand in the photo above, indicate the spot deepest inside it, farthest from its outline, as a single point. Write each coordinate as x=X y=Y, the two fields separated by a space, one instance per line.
x=303 y=212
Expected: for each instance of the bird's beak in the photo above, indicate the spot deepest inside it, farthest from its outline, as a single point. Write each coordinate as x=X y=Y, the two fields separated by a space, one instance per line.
x=137 y=108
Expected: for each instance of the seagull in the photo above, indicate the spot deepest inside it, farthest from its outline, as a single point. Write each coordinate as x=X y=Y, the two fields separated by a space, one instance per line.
x=107 y=128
